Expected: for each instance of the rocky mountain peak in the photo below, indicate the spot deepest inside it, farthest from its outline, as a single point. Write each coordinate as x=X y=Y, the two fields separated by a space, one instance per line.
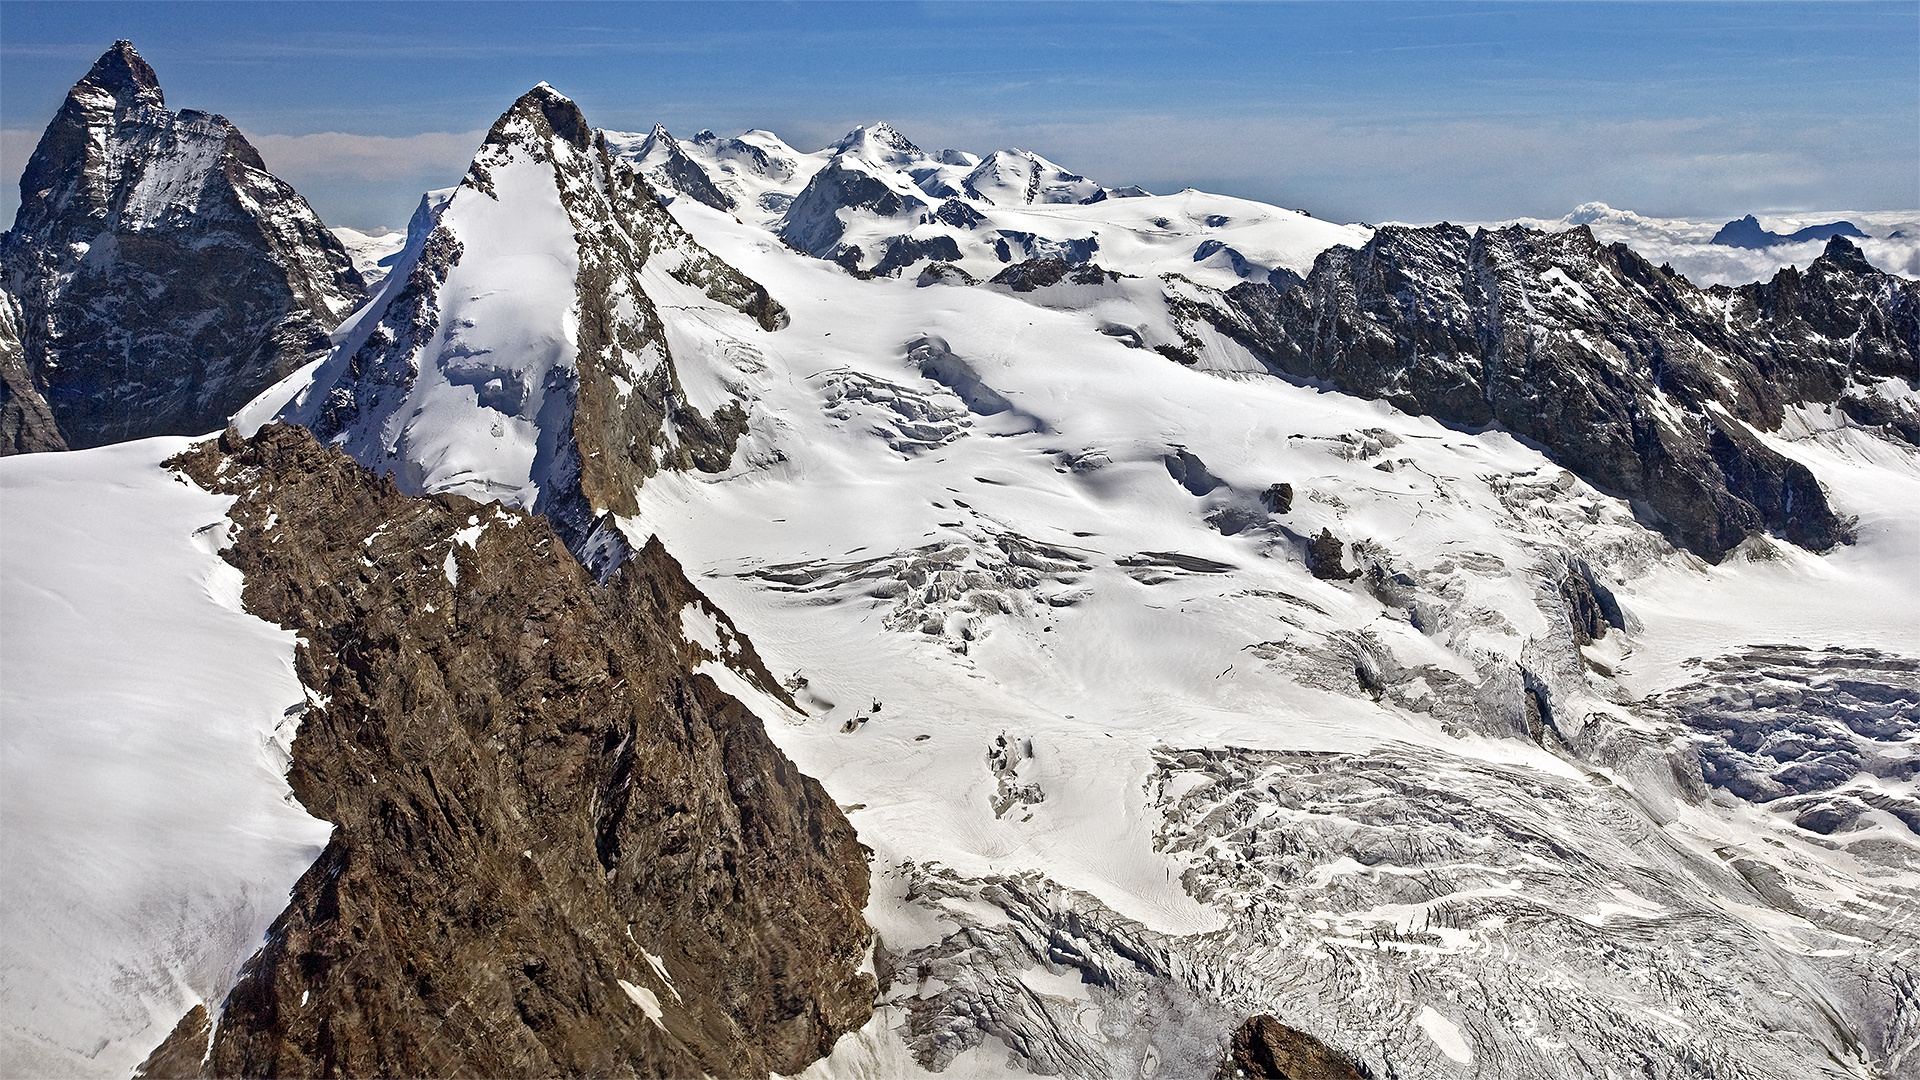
x=1844 y=255
x=162 y=276
x=1748 y=233
x=1629 y=375
x=543 y=112
x=122 y=72
x=521 y=358
x=664 y=161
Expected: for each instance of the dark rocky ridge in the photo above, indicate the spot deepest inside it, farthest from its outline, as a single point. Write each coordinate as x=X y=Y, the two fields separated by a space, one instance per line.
x=532 y=790
x=1050 y=270
x=1747 y=233
x=812 y=223
x=26 y=423
x=163 y=277
x=678 y=172
x=1623 y=372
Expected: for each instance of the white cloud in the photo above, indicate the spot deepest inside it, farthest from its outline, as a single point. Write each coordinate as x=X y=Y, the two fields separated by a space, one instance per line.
x=336 y=155
x=1474 y=168
x=1686 y=243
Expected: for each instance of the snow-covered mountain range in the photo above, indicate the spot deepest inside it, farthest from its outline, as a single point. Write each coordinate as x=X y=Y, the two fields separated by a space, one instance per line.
x=1486 y=653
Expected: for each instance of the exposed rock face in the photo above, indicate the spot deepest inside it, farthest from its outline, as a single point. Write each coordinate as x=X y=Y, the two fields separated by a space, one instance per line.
x=182 y=1054
x=903 y=251
x=163 y=276
x=1263 y=1047
x=523 y=294
x=1625 y=373
x=1051 y=270
x=813 y=223
x=1325 y=558
x=666 y=164
x=559 y=848
x=26 y=423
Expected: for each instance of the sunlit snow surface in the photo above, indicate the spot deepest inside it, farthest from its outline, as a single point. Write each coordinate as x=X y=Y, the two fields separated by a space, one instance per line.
x=1130 y=772
x=147 y=835
x=1216 y=240
x=1011 y=633
x=373 y=253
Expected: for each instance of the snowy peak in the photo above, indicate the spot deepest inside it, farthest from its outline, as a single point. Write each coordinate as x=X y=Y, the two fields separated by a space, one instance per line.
x=122 y=73
x=664 y=161
x=816 y=220
x=1020 y=178
x=879 y=144
x=542 y=113
x=516 y=352
x=761 y=153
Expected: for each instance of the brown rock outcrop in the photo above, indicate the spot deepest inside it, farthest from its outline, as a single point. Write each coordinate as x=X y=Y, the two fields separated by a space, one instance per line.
x=559 y=849
x=1266 y=1049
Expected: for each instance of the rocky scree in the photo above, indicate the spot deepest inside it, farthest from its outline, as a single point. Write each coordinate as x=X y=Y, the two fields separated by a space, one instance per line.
x=558 y=848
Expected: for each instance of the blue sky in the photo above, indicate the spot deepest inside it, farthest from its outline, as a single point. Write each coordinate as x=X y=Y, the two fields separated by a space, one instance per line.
x=1350 y=110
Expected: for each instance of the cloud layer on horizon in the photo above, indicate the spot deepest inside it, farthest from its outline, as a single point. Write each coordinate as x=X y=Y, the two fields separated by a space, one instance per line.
x=1464 y=170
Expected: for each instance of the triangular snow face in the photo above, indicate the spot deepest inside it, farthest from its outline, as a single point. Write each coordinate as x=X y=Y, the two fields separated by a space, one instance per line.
x=516 y=354
x=879 y=144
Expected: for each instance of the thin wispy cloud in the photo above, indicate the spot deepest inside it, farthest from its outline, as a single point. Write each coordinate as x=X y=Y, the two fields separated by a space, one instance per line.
x=1351 y=111
x=332 y=155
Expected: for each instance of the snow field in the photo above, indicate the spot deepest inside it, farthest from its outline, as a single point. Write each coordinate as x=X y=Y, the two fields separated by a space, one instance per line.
x=147 y=834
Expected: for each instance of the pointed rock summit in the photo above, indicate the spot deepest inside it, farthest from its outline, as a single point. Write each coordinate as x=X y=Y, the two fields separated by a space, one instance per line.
x=516 y=353
x=159 y=275
x=666 y=164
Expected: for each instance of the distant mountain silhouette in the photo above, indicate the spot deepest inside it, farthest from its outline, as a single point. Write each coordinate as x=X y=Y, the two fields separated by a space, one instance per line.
x=1747 y=233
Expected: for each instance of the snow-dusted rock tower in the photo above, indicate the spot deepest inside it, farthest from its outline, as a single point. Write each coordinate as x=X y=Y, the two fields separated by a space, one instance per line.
x=160 y=276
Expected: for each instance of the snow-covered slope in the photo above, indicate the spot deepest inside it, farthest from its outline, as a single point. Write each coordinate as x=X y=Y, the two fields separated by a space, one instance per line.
x=519 y=351
x=147 y=835
x=373 y=253
x=1170 y=691
x=877 y=203
x=1082 y=686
